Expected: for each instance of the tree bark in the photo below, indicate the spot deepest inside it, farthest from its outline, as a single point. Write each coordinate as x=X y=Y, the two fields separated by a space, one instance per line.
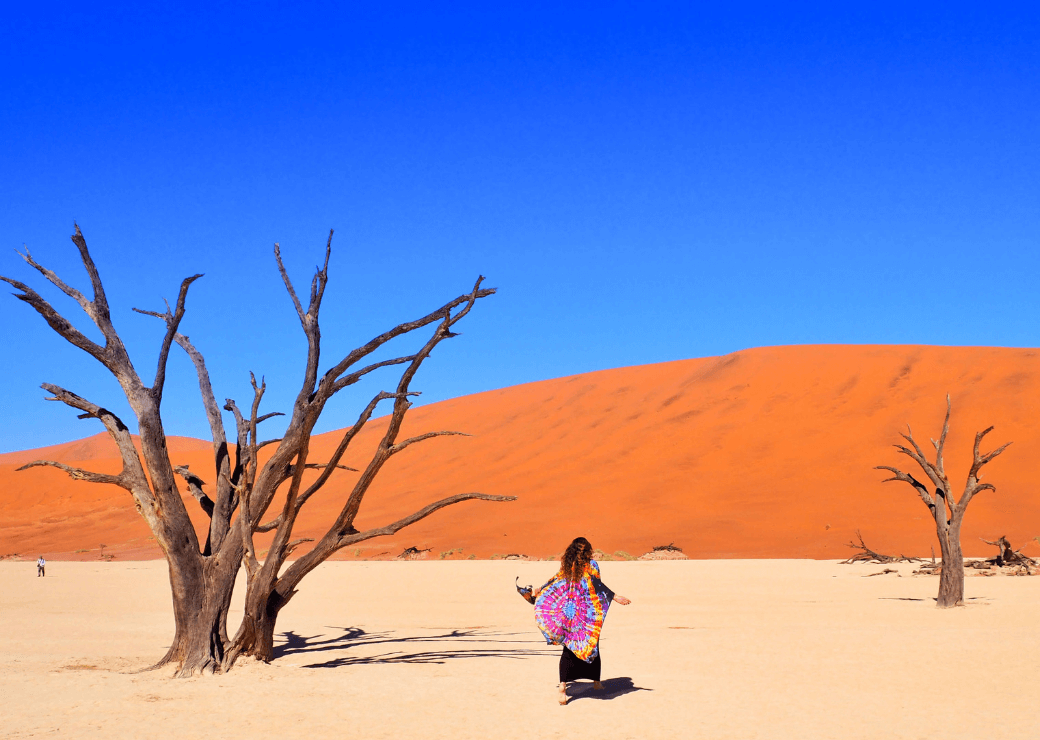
x=201 y=594
x=951 y=576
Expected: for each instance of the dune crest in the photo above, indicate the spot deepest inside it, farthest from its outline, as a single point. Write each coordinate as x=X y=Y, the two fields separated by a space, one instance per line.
x=766 y=452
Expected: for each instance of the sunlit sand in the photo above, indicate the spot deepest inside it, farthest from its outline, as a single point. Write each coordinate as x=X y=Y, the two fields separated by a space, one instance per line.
x=708 y=649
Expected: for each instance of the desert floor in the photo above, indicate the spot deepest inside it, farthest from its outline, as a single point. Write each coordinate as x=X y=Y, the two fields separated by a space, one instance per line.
x=708 y=649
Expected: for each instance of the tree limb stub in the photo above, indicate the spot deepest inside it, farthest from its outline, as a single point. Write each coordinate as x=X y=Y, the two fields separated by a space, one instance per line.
x=195 y=484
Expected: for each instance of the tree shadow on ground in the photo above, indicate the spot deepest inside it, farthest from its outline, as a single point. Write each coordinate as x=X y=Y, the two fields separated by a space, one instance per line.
x=453 y=642
x=612 y=689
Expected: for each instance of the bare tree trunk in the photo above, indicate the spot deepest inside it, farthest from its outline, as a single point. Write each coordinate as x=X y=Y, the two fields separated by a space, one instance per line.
x=256 y=634
x=951 y=577
x=201 y=598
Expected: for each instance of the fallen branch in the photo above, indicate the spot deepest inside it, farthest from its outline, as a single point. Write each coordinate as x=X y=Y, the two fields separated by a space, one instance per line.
x=881 y=572
x=413 y=553
x=866 y=555
x=670 y=547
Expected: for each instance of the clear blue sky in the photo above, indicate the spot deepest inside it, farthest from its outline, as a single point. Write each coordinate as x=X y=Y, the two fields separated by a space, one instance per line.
x=642 y=185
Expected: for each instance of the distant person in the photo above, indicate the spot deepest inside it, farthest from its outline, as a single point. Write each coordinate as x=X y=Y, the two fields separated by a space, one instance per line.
x=41 y=567
x=570 y=610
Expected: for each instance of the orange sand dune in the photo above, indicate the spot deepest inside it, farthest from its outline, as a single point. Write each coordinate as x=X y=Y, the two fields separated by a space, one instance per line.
x=763 y=453
x=98 y=447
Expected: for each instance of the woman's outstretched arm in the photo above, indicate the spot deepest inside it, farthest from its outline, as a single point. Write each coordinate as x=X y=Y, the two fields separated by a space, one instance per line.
x=622 y=600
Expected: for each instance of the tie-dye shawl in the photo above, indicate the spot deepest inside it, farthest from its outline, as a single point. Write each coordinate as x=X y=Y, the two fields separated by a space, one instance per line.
x=572 y=613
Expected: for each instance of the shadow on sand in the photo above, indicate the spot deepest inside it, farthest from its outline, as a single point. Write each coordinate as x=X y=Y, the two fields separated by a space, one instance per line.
x=446 y=646
x=612 y=689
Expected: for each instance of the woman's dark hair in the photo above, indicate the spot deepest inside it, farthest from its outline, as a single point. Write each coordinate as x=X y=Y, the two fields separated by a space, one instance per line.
x=576 y=559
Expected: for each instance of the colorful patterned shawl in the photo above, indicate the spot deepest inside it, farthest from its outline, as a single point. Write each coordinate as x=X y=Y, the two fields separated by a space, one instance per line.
x=572 y=613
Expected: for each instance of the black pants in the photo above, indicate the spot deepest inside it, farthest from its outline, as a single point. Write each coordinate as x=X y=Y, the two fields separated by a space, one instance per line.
x=573 y=668
x=39 y=571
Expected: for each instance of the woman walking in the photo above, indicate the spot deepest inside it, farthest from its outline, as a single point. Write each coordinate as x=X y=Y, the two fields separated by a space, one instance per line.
x=570 y=610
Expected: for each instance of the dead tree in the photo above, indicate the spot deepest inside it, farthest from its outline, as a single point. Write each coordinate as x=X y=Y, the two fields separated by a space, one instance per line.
x=239 y=500
x=1007 y=555
x=947 y=511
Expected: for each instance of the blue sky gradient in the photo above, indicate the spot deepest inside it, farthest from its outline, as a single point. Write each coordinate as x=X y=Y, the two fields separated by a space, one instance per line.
x=642 y=185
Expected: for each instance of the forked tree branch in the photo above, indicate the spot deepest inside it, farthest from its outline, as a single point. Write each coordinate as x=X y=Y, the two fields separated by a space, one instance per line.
x=173 y=320
x=918 y=456
x=329 y=386
x=113 y=354
x=972 y=486
x=936 y=471
x=56 y=321
x=357 y=375
x=344 y=522
x=382 y=453
x=221 y=509
x=290 y=471
x=906 y=478
x=341 y=448
x=942 y=439
x=296 y=543
x=133 y=470
x=101 y=314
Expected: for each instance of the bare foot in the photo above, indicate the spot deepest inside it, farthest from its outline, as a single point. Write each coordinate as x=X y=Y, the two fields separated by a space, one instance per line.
x=597 y=686
x=563 y=694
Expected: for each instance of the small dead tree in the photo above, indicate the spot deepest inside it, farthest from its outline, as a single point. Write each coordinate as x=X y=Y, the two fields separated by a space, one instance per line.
x=947 y=511
x=202 y=573
x=1007 y=555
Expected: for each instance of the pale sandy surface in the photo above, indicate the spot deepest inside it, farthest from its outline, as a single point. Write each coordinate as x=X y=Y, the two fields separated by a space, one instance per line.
x=708 y=649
